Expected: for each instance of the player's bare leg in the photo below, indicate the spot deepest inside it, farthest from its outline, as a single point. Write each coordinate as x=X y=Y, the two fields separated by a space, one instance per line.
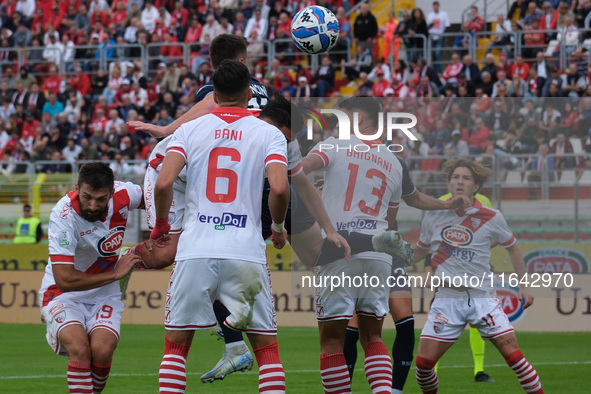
x=307 y=244
x=527 y=375
x=400 y=303
x=430 y=351
x=172 y=377
x=102 y=346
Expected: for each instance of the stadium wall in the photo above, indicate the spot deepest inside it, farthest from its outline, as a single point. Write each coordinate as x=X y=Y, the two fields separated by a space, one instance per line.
x=557 y=308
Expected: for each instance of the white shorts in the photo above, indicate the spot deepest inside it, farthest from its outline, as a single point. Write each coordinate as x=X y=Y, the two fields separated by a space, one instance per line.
x=60 y=313
x=177 y=208
x=452 y=309
x=243 y=287
x=356 y=295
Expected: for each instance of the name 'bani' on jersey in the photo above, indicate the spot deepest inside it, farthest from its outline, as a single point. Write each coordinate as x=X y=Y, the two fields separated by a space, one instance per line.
x=93 y=247
x=226 y=153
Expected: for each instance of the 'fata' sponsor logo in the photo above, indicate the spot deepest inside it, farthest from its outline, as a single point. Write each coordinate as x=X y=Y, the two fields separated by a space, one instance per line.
x=111 y=242
x=510 y=302
x=227 y=219
x=457 y=235
x=356 y=225
x=560 y=260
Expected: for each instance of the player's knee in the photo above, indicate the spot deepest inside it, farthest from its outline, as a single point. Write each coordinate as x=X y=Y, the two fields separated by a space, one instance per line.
x=425 y=363
x=366 y=338
x=79 y=351
x=102 y=353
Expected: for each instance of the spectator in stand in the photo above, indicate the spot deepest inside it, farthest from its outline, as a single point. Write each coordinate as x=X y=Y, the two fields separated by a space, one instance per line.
x=417 y=29
x=384 y=67
x=57 y=166
x=474 y=22
x=362 y=62
x=550 y=119
x=181 y=14
x=573 y=83
x=533 y=13
x=570 y=121
x=324 y=77
x=365 y=28
x=520 y=67
x=472 y=73
x=541 y=169
x=570 y=34
x=548 y=20
x=562 y=145
x=256 y=22
x=543 y=69
x=437 y=22
x=380 y=84
x=365 y=85
x=211 y=29
x=502 y=36
x=402 y=33
x=564 y=12
x=22 y=37
x=426 y=88
x=463 y=41
x=533 y=42
x=453 y=70
x=498 y=120
x=81 y=82
x=477 y=138
x=458 y=147
x=422 y=68
x=556 y=80
x=71 y=151
x=502 y=80
x=486 y=83
x=53 y=107
x=149 y=16
x=517 y=10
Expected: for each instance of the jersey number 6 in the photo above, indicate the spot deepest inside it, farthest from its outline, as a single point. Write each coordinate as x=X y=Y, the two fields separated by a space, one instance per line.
x=213 y=173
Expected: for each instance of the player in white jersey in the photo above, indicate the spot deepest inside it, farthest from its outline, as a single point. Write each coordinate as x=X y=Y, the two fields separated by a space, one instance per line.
x=460 y=241
x=372 y=179
x=221 y=252
x=224 y=46
x=80 y=297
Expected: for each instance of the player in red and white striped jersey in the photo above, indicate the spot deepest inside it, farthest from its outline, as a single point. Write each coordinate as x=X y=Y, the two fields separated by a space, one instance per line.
x=81 y=301
x=221 y=254
x=372 y=177
x=460 y=241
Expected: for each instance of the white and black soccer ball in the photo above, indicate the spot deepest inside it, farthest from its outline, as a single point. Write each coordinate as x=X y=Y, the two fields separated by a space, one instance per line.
x=315 y=29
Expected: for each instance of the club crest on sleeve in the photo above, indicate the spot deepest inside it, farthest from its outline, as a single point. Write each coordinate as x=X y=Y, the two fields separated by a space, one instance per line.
x=64 y=238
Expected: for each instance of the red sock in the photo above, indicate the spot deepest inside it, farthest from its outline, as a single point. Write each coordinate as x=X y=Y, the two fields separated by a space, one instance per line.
x=334 y=373
x=378 y=368
x=426 y=375
x=79 y=379
x=271 y=373
x=527 y=375
x=100 y=374
x=172 y=377
x=137 y=250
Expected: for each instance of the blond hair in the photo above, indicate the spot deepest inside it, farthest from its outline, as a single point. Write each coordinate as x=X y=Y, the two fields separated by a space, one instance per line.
x=480 y=173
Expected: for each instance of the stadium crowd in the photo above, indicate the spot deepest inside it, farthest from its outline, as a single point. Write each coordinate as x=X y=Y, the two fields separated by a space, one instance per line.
x=66 y=104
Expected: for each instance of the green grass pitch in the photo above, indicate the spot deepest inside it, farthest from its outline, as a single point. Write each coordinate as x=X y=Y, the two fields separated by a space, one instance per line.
x=28 y=365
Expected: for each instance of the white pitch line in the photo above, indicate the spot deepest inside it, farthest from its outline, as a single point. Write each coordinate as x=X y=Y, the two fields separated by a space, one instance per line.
x=290 y=371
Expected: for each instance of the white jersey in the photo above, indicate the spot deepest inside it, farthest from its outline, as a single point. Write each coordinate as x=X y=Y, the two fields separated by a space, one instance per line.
x=92 y=247
x=294 y=158
x=226 y=153
x=362 y=180
x=157 y=157
x=460 y=241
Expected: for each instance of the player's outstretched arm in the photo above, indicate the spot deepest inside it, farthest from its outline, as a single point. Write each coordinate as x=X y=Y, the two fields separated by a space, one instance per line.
x=312 y=200
x=516 y=257
x=427 y=203
x=67 y=278
x=312 y=163
x=171 y=167
x=203 y=107
x=278 y=201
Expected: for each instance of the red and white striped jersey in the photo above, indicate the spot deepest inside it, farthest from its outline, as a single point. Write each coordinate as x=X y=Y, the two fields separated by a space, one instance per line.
x=226 y=153
x=362 y=179
x=460 y=241
x=92 y=247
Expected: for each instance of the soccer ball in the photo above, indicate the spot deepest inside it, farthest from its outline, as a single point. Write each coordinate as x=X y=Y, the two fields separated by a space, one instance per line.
x=315 y=29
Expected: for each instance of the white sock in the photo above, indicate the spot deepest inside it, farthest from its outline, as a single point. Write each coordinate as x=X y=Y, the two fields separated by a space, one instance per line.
x=396 y=391
x=236 y=347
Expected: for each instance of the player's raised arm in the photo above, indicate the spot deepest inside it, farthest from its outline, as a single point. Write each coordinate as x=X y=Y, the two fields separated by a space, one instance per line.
x=278 y=200
x=203 y=107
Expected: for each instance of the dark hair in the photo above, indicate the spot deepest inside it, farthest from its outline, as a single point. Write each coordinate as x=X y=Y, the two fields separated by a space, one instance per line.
x=97 y=175
x=227 y=47
x=231 y=80
x=283 y=113
x=368 y=105
x=26 y=206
